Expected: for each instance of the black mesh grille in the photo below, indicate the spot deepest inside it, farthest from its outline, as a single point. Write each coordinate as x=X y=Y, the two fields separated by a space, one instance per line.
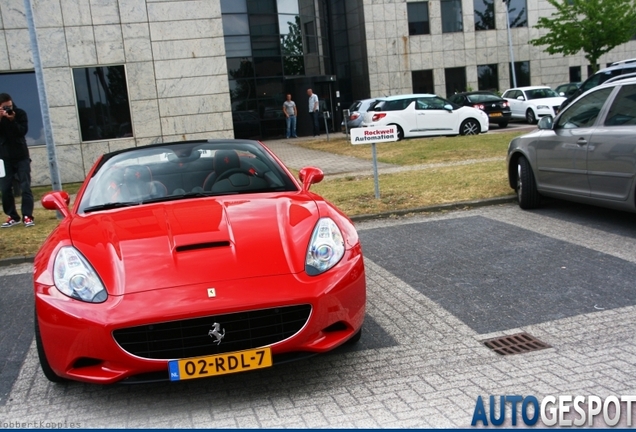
x=190 y=338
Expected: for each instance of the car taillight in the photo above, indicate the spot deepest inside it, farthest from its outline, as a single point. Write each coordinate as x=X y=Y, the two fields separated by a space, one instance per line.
x=354 y=116
x=378 y=116
x=478 y=106
x=506 y=104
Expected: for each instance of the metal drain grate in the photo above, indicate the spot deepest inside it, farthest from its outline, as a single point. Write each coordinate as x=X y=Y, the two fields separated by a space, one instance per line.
x=515 y=344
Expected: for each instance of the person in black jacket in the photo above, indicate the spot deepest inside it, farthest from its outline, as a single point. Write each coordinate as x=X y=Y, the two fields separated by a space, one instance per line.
x=14 y=152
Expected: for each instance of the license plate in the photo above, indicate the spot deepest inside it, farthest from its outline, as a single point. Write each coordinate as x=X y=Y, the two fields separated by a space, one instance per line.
x=496 y=114
x=220 y=364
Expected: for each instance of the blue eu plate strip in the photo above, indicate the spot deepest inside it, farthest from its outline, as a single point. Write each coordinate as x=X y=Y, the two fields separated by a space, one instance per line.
x=173 y=368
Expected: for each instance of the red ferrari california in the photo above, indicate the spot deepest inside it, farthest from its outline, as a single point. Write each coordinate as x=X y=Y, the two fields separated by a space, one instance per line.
x=193 y=259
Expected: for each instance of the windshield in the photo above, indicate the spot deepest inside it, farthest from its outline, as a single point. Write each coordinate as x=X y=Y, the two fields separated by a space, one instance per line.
x=482 y=97
x=182 y=170
x=541 y=93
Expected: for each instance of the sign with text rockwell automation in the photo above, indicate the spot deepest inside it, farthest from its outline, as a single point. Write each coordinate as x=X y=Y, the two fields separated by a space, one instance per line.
x=369 y=135
x=372 y=135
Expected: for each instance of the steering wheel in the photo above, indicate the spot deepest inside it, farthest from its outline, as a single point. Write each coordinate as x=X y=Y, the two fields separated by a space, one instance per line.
x=229 y=172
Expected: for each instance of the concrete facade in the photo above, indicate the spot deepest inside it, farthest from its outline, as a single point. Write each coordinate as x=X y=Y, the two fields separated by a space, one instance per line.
x=174 y=56
x=393 y=54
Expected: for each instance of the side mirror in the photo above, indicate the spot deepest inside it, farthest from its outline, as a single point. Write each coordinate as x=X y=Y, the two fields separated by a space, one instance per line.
x=448 y=107
x=309 y=176
x=561 y=94
x=57 y=200
x=521 y=98
x=546 y=123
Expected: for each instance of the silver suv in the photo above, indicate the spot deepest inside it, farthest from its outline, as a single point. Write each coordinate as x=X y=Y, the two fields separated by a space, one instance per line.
x=586 y=154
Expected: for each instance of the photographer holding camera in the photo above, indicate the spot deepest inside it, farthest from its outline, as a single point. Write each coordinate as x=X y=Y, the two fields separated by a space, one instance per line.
x=14 y=152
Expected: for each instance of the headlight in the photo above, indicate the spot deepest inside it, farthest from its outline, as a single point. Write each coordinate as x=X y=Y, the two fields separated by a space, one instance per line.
x=543 y=107
x=75 y=277
x=326 y=247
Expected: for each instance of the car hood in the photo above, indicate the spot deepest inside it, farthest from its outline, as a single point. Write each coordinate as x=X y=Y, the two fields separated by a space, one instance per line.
x=196 y=241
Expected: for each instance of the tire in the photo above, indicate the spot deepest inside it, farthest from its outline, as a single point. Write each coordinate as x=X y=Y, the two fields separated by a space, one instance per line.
x=470 y=127
x=503 y=125
x=530 y=117
x=527 y=193
x=400 y=131
x=44 y=363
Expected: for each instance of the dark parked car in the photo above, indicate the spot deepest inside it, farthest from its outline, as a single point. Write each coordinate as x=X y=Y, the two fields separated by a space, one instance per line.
x=614 y=70
x=586 y=154
x=568 y=89
x=498 y=109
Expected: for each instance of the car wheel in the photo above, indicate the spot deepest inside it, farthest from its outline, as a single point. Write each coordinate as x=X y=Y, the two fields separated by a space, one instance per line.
x=469 y=127
x=503 y=125
x=44 y=363
x=527 y=193
x=400 y=131
x=530 y=117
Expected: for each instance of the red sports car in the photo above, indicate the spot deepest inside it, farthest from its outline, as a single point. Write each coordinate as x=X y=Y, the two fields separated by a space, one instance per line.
x=192 y=259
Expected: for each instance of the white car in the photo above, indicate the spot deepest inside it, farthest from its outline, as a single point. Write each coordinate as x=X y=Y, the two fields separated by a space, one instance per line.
x=532 y=103
x=425 y=115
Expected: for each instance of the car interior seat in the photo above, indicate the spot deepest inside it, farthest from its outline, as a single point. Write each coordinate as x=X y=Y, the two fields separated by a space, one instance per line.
x=224 y=160
x=230 y=176
x=139 y=186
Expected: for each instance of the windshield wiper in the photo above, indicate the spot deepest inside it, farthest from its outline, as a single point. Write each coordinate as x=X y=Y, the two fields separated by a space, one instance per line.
x=176 y=197
x=109 y=206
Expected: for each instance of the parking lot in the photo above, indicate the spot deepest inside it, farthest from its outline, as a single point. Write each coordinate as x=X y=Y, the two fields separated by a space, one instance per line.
x=438 y=285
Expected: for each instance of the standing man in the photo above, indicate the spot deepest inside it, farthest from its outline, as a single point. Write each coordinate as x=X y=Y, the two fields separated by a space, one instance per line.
x=14 y=125
x=289 y=108
x=313 y=111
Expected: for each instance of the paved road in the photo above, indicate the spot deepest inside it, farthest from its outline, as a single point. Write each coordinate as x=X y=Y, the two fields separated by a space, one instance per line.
x=438 y=285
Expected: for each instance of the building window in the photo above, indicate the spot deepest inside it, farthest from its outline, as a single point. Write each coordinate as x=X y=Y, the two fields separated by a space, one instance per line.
x=517 y=13
x=455 y=80
x=235 y=24
x=261 y=6
x=451 y=16
x=418 y=18
x=238 y=46
x=311 y=44
x=423 y=81
x=488 y=77
x=102 y=101
x=24 y=94
x=233 y=6
x=263 y=25
x=522 y=73
x=575 y=74
x=484 y=15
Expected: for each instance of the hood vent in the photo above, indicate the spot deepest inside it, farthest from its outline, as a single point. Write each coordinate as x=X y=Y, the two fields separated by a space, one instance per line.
x=197 y=246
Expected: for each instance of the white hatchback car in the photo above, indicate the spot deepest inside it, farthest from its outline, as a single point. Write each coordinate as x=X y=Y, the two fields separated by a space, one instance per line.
x=425 y=115
x=532 y=103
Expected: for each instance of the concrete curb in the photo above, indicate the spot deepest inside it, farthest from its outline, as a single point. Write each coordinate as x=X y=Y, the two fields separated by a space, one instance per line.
x=4 y=262
x=359 y=218
x=437 y=208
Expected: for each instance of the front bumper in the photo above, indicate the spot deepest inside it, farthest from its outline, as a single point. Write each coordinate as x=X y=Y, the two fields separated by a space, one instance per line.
x=78 y=337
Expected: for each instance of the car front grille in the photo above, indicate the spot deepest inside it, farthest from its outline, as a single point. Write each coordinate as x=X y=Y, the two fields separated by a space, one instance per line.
x=197 y=337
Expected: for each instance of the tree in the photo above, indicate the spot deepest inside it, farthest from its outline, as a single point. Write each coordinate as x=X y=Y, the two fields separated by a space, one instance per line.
x=593 y=26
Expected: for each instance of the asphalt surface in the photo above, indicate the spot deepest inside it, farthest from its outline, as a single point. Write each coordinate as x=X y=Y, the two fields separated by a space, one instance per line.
x=439 y=284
